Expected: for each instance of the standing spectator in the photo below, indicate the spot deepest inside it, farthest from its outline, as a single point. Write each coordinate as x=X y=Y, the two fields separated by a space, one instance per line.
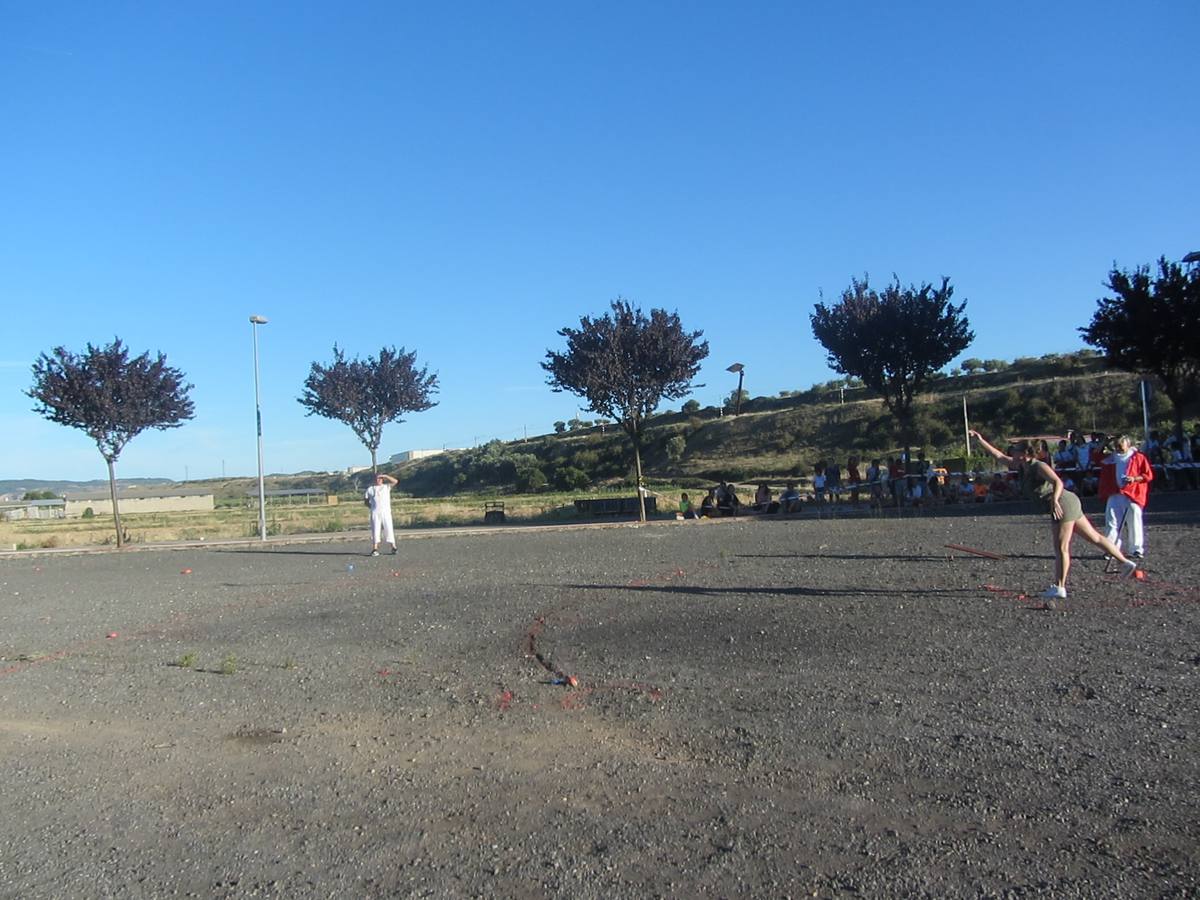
x=833 y=482
x=853 y=478
x=1125 y=480
x=876 y=482
x=818 y=482
x=898 y=478
x=379 y=498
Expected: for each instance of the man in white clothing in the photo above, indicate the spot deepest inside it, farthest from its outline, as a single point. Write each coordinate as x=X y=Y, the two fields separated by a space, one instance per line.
x=379 y=498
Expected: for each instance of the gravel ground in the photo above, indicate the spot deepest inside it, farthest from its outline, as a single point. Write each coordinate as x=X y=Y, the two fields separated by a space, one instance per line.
x=775 y=708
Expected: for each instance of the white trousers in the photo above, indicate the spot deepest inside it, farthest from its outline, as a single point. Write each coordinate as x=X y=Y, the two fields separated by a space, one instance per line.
x=381 y=527
x=1120 y=508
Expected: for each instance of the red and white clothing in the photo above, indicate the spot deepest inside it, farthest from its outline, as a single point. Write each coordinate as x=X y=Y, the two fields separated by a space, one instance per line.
x=1125 y=486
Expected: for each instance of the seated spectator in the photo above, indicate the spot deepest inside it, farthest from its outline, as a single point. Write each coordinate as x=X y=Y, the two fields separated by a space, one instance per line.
x=980 y=487
x=685 y=507
x=1082 y=452
x=708 y=506
x=762 y=498
x=818 y=482
x=999 y=488
x=789 y=500
x=1064 y=457
x=966 y=490
x=728 y=503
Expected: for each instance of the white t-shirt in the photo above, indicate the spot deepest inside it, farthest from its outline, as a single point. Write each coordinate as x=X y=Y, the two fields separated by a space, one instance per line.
x=380 y=496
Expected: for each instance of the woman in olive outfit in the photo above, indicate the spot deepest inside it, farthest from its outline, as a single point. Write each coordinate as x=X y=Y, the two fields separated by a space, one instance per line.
x=1041 y=483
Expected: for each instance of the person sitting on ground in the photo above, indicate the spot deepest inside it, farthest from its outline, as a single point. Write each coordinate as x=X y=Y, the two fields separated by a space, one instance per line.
x=762 y=497
x=980 y=487
x=685 y=507
x=790 y=500
x=708 y=506
x=998 y=489
x=727 y=500
x=966 y=491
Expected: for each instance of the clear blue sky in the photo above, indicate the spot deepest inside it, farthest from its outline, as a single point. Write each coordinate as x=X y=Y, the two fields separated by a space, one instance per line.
x=464 y=179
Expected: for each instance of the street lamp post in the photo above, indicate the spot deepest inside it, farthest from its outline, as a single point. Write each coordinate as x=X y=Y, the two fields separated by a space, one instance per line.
x=741 y=373
x=255 y=321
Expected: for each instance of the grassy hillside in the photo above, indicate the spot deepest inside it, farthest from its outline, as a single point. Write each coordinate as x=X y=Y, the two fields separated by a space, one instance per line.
x=773 y=438
x=779 y=437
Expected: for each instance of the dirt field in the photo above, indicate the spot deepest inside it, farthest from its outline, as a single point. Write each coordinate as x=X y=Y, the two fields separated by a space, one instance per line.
x=794 y=708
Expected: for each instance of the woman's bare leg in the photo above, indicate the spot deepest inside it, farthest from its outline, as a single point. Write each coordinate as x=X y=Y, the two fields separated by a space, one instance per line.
x=1062 y=551
x=1088 y=531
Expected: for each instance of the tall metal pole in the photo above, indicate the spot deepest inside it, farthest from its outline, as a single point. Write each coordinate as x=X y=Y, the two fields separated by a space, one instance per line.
x=741 y=373
x=255 y=321
x=1145 y=413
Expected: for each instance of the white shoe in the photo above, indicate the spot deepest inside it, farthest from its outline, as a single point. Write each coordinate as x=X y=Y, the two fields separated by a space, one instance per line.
x=1054 y=592
x=374 y=552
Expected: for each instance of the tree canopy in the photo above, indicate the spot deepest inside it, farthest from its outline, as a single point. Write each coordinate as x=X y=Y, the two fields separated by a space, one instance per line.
x=110 y=397
x=895 y=340
x=624 y=363
x=367 y=394
x=1150 y=326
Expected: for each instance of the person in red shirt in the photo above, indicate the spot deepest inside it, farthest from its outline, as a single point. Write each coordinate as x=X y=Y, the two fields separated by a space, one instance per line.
x=1125 y=477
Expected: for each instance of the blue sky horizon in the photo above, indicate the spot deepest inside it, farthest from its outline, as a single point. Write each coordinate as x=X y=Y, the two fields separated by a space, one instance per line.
x=463 y=181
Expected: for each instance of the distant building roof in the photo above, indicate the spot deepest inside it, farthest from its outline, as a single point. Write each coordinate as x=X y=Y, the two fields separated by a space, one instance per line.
x=142 y=493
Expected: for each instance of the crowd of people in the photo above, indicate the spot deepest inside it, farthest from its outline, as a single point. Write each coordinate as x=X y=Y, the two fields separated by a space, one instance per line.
x=1084 y=462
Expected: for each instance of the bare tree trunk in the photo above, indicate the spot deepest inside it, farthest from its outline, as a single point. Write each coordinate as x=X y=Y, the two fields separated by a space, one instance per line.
x=112 y=491
x=374 y=467
x=637 y=462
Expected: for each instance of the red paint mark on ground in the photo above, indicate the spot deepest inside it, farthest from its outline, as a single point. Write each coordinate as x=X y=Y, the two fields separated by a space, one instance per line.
x=504 y=701
x=185 y=571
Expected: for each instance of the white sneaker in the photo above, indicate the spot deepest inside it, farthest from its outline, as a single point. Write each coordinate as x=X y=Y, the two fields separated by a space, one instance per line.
x=1054 y=592
x=374 y=552
x=1127 y=569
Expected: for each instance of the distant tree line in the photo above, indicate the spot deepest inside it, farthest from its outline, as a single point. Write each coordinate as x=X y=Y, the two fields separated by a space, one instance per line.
x=892 y=343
